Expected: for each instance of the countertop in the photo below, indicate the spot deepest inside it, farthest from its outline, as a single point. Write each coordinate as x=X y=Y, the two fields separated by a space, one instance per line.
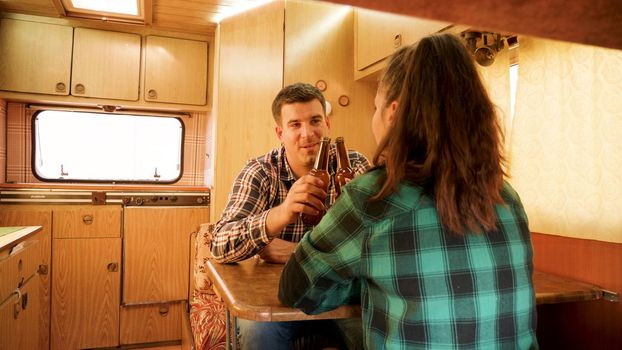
x=17 y=235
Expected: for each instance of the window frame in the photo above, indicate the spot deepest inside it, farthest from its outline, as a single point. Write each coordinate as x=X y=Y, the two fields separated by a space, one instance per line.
x=33 y=148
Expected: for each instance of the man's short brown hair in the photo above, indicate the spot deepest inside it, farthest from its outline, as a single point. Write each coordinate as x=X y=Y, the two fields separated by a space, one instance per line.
x=298 y=92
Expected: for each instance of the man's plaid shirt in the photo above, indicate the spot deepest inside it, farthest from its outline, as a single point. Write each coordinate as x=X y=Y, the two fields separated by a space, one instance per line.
x=419 y=286
x=262 y=184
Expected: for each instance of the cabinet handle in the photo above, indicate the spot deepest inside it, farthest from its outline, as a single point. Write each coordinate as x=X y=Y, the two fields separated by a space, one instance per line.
x=113 y=267
x=16 y=310
x=397 y=41
x=60 y=87
x=80 y=88
x=152 y=94
x=87 y=219
x=163 y=311
x=24 y=301
x=17 y=307
x=43 y=269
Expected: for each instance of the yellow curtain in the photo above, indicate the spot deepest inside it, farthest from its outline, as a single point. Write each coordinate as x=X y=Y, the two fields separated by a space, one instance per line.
x=566 y=142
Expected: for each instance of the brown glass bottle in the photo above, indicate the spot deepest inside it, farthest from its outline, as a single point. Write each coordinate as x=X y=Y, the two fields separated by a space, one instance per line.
x=320 y=169
x=344 y=172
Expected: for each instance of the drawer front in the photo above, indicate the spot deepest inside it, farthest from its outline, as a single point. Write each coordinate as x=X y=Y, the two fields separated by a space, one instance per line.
x=150 y=323
x=19 y=266
x=87 y=222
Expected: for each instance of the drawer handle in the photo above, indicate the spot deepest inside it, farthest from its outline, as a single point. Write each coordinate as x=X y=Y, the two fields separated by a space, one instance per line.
x=87 y=219
x=113 y=267
x=152 y=94
x=163 y=311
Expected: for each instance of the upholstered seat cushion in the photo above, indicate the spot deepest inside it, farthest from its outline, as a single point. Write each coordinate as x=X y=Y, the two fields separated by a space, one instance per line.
x=207 y=311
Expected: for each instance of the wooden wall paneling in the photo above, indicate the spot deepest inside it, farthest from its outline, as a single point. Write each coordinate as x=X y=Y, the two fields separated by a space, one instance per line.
x=36 y=215
x=86 y=294
x=250 y=76
x=35 y=7
x=150 y=323
x=3 y=141
x=319 y=41
x=157 y=252
x=190 y=16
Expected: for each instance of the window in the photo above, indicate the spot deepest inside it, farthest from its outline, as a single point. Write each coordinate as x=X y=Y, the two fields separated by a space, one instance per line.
x=131 y=11
x=96 y=147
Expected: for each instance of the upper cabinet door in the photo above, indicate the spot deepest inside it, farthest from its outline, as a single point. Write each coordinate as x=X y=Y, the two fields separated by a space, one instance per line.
x=176 y=70
x=378 y=35
x=36 y=57
x=105 y=64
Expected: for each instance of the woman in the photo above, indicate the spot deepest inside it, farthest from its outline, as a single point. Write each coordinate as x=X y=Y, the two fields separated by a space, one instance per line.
x=432 y=242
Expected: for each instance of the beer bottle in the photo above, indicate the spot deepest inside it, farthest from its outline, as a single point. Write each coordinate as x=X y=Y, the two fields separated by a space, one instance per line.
x=344 y=171
x=320 y=169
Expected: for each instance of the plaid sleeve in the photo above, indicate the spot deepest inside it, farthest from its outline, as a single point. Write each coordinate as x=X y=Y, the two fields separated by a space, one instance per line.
x=359 y=162
x=322 y=273
x=241 y=231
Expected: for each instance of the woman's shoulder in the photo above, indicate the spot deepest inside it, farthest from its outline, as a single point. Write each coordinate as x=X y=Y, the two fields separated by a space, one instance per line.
x=365 y=186
x=509 y=194
x=370 y=181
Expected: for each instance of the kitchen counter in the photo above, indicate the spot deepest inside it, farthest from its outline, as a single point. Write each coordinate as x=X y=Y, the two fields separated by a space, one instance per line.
x=15 y=235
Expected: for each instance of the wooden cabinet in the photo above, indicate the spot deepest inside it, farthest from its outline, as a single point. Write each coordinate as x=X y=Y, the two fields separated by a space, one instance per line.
x=86 y=293
x=86 y=282
x=87 y=221
x=156 y=270
x=175 y=70
x=101 y=65
x=379 y=34
x=157 y=252
x=40 y=260
x=36 y=57
x=105 y=64
x=19 y=316
x=151 y=323
x=20 y=289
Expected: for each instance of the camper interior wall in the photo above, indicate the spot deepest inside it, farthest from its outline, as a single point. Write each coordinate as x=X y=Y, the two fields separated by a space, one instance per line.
x=2 y=141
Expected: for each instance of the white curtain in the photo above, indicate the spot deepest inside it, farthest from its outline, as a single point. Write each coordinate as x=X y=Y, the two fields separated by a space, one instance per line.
x=566 y=141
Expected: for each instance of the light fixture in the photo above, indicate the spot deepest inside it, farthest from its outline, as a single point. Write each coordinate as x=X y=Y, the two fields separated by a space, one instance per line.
x=512 y=42
x=484 y=46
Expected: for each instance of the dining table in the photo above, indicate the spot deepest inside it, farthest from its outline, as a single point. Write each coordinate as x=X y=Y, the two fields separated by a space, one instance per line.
x=249 y=290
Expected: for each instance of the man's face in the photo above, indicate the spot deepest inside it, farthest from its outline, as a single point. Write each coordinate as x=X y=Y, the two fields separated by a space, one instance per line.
x=303 y=125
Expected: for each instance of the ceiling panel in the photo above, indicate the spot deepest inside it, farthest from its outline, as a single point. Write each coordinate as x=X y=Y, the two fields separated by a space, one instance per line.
x=30 y=7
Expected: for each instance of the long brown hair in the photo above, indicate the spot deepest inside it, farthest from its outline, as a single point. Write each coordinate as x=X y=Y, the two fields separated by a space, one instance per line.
x=446 y=136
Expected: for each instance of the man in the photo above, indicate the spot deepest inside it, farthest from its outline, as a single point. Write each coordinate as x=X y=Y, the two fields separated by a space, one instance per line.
x=262 y=216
